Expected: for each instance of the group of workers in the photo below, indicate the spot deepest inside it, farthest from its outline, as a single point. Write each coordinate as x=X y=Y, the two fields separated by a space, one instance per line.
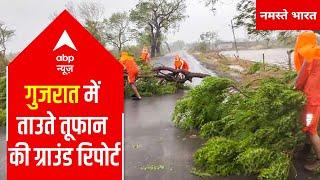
x=132 y=69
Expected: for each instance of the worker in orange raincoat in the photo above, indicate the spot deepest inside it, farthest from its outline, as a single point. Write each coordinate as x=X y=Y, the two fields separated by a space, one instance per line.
x=307 y=63
x=132 y=69
x=179 y=63
x=145 y=56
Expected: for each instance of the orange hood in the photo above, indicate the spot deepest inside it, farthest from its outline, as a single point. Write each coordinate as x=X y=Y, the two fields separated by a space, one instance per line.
x=306 y=48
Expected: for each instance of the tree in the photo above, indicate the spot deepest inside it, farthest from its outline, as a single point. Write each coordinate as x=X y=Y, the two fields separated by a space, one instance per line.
x=177 y=45
x=90 y=14
x=96 y=28
x=287 y=38
x=211 y=4
x=246 y=18
x=157 y=17
x=208 y=37
x=5 y=35
x=91 y=11
x=118 y=31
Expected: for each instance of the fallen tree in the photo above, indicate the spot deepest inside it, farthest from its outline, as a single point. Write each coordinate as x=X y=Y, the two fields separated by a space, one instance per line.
x=255 y=132
x=172 y=75
x=161 y=80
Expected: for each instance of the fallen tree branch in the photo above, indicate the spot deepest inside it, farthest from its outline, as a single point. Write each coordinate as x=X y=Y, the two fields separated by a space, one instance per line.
x=172 y=75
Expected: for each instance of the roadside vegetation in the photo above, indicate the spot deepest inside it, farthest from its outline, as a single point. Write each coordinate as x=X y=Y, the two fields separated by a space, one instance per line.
x=2 y=101
x=251 y=131
x=6 y=35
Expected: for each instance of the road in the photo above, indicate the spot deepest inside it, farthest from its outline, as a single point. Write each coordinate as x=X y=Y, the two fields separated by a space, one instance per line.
x=194 y=64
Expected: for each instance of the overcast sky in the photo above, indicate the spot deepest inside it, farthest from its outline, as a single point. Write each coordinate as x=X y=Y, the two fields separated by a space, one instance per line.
x=30 y=17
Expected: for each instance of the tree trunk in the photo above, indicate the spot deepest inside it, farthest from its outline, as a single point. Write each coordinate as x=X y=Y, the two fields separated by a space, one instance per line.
x=158 y=48
x=119 y=49
x=168 y=46
x=153 y=42
x=153 y=47
x=158 y=42
x=172 y=75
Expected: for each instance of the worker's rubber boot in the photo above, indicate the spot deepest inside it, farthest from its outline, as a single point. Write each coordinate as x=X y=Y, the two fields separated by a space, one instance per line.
x=314 y=166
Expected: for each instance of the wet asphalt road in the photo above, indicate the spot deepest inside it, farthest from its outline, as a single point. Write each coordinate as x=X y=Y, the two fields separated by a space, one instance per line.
x=152 y=140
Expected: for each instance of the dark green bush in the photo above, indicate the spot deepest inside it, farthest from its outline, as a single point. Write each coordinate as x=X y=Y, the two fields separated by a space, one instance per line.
x=254 y=159
x=258 y=129
x=2 y=117
x=289 y=76
x=268 y=117
x=279 y=169
x=202 y=104
x=218 y=156
x=150 y=86
x=3 y=92
x=255 y=68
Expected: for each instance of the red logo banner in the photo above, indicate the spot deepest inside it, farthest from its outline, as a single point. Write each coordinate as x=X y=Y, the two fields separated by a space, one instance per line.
x=65 y=107
x=287 y=15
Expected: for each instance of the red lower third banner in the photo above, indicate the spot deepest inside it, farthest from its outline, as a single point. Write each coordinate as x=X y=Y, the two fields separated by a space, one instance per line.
x=288 y=15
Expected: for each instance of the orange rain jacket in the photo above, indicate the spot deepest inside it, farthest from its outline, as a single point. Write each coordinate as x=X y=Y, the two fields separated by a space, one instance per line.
x=308 y=81
x=180 y=64
x=130 y=66
x=307 y=63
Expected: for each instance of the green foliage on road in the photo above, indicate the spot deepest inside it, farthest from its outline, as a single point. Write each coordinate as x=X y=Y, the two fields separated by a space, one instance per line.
x=202 y=104
x=254 y=132
x=150 y=86
x=153 y=167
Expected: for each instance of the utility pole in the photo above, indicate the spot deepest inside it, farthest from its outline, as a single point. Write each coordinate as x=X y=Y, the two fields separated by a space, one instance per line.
x=235 y=41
